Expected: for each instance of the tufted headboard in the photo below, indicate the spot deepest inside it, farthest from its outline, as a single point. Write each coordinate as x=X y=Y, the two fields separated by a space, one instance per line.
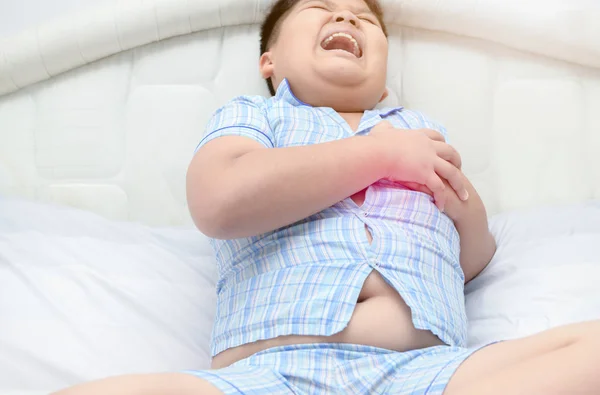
x=102 y=109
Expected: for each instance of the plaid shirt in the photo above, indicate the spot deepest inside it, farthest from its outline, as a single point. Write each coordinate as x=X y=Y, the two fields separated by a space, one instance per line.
x=305 y=278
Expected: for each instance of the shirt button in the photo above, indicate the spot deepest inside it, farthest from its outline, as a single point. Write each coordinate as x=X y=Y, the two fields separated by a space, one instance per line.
x=365 y=214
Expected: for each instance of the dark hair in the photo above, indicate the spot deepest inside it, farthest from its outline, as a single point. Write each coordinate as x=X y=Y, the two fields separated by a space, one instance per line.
x=269 y=31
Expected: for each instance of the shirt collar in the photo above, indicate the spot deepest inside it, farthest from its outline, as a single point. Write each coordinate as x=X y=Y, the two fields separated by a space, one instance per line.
x=284 y=92
x=386 y=112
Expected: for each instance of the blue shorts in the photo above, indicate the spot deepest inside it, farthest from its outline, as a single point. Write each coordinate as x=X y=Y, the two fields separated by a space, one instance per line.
x=339 y=368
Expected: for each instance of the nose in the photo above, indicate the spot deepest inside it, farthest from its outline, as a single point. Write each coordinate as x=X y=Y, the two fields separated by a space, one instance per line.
x=346 y=16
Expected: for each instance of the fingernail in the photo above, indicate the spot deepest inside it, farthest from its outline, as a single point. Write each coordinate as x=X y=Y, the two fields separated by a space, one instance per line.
x=465 y=195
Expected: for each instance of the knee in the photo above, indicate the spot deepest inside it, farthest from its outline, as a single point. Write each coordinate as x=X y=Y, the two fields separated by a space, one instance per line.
x=588 y=331
x=592 y=339
x=147 y=384
x=588 y=342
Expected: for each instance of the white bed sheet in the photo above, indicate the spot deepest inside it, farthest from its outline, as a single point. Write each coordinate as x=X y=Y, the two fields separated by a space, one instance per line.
x=82 y=297
x=545 y=273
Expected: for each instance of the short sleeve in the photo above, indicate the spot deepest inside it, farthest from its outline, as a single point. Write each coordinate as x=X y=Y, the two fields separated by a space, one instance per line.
x=429 y=123
x=242 y=116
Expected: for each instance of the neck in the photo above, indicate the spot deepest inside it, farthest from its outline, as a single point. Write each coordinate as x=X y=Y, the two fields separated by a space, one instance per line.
x=352 y=118
x=341 y=99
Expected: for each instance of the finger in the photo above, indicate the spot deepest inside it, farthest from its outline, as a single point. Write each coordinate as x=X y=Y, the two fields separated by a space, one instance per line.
x=436 y=185
x=426 y=190
x=449 y=153
x=454 y=177
x=434 y=135
x=413 y=186
x=423 y=189
x=385 y=124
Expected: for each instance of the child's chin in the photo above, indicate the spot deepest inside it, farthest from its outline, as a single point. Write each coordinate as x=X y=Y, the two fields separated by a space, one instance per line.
x=343 y=71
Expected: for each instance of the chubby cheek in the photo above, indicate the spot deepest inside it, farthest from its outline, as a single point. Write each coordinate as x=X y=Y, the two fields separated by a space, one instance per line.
x=300 y=35
x=383 y=51
x=380 y=61
x=299 y=52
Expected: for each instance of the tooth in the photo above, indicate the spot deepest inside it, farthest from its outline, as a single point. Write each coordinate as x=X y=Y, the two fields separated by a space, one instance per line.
x=345 y=35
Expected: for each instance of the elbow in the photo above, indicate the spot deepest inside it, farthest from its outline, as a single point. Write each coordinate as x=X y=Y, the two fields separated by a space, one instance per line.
x=491 y=247
x=207 y=223
x=212 y=218
x=476 y=264
x=206 y=200
x=209 y=210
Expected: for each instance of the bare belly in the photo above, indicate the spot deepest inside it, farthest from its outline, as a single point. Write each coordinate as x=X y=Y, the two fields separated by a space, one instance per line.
x=381 y=318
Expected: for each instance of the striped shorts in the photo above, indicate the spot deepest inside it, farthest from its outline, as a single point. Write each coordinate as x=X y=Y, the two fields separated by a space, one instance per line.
x=339 y=368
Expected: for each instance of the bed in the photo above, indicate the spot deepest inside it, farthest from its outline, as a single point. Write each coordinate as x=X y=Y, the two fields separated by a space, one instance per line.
x=101 y=270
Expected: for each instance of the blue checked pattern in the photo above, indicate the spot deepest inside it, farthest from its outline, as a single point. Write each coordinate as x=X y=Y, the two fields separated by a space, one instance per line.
x=305 y=278
x=339 y=369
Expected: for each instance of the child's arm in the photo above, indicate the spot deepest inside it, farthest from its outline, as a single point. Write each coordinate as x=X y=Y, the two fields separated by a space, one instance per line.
x=238 y=188
x=477 y=245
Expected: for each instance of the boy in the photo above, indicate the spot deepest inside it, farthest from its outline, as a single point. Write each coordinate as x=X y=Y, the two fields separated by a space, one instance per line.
x=336 y=228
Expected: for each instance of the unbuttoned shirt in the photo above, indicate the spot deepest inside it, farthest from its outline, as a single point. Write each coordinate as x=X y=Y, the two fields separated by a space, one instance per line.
x=305 y=278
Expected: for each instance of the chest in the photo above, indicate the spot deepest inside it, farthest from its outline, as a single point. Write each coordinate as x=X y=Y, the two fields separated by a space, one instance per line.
x=297 y=126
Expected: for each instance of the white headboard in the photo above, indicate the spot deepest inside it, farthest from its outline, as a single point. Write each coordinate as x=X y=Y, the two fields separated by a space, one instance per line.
x=103 y=109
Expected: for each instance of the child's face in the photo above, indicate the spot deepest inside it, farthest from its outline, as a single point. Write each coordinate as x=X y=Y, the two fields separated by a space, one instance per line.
x=348 y=74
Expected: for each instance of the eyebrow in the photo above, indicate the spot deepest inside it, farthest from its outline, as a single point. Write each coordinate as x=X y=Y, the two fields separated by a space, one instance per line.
x=331 y=4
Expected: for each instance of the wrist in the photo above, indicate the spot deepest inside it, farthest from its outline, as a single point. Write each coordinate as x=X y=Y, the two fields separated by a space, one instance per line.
x=379 y=161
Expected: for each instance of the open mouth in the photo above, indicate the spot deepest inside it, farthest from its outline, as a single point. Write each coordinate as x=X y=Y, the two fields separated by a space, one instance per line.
x=342 y=42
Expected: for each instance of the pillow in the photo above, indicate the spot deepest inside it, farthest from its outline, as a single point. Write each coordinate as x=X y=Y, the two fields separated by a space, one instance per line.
x=82 y=297
x=546 y=273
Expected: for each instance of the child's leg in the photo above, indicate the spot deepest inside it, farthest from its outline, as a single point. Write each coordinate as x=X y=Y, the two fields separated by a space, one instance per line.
x=151 y=384
x=564 y=360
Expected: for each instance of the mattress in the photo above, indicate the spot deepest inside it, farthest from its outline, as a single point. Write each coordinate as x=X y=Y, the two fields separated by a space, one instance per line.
x=101 y=270
x=18 y=16
x=102 y=109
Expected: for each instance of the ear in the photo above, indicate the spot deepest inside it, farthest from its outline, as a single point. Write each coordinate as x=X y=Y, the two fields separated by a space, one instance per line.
x=386 y=93
x=266 y=65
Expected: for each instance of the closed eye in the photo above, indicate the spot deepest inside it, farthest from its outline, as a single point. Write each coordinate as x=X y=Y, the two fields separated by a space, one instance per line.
x=368 y=19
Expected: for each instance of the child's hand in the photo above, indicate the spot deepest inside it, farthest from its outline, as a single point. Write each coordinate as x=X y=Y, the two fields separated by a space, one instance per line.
x=454 y=207
x=421 y=157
